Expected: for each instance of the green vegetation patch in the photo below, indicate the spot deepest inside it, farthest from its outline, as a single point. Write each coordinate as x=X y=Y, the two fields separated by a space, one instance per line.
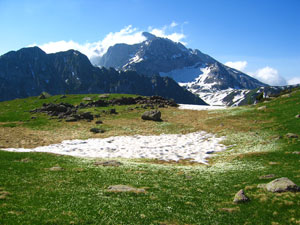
x=175 y=193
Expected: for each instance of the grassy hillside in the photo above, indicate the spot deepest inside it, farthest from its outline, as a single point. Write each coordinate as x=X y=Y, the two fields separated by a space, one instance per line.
x=176 y=193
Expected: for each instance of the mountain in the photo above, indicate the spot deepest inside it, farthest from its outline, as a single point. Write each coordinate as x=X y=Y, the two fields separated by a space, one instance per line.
x=192 y=69
x=30 y=71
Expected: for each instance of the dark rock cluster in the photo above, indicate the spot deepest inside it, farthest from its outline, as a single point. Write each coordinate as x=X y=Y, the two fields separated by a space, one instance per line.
x=70 y=112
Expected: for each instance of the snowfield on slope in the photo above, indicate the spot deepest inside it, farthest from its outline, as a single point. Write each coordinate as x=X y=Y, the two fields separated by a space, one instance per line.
x=197 y=146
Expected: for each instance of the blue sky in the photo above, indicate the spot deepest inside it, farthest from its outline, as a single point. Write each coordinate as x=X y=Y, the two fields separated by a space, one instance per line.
x=261 y=38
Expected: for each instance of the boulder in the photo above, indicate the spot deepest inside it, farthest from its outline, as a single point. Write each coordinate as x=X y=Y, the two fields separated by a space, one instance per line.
x=154 y=115
x=240 y=197
x=282 y=185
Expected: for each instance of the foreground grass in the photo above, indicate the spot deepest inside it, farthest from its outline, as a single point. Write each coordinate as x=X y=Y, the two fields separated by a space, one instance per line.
x=176 y=193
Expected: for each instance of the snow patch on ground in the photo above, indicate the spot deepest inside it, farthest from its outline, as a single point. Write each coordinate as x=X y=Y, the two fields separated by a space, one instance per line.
x=200 y=107
x=196 y=146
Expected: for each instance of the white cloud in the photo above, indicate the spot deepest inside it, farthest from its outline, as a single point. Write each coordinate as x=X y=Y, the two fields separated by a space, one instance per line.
x=269 y=76
x=127 y=35
x=239 y=65
x=163 y=32
x=58 y=46
x=266 y=75
x=173 y=24
x=294 y=80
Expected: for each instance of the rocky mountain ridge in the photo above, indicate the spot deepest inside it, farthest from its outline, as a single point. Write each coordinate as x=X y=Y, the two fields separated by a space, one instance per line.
x=30 y=71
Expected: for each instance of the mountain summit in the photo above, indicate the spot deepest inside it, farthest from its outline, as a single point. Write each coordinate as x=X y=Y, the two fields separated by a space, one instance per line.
x=196 y=71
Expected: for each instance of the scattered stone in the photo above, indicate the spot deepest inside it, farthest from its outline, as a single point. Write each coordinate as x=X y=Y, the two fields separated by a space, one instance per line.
x=268 y=176
x=240 y=197
x=71 y=119
x=87 y=99
x=99 y=122
x=104 y=96
x=297 y=153
x=97 y=115
x=96 y=130
x=63 y=96
x=44 y=95
x=230 y=210
x=262 y=108
x=108 y=163
x=87 y=116
x=285 y=96
x=125 y=188
x=152 y=115
x=282 y=185
x=56 y=168
x=297 y=116
x=112 y=111
x=291 y=135
x=274 y=163
x=25 y=160
x=33 y=117
x=3 y=194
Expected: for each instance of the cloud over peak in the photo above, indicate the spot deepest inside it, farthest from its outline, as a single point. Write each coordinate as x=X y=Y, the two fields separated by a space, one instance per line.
x=128 y=35
x=266 y=74
x=239 y=65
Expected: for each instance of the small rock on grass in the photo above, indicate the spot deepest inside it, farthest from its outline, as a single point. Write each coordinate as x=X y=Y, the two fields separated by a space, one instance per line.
x=297 y=116
x=3 y=194
x=240 y=197
x=154 y=115
x=99 y=122
x=125 y=188
x=96 y=130
x=87 y=99
x=282 y=184
x=291 y=135
x=71 y=119
x=56 y=168
x=262 y=108
x=230 y=210
x=108 y=163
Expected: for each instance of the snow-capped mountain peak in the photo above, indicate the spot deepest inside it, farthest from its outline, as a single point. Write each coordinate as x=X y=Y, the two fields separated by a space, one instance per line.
x=196 y=71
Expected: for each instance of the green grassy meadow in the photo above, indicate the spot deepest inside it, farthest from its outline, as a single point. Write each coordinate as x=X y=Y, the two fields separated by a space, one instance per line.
x=176 y=193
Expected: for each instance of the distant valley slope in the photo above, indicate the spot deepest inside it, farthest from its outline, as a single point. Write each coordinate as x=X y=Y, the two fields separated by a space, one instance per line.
x=214 y=82
x=30 y=71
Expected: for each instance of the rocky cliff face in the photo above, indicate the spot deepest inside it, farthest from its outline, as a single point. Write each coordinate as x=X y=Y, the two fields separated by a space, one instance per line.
x=193 y=69
x=30 y=71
